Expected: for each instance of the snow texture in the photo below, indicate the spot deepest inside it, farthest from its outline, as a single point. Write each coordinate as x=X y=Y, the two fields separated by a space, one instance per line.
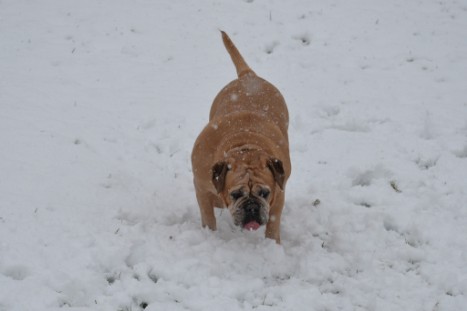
x=101 y=102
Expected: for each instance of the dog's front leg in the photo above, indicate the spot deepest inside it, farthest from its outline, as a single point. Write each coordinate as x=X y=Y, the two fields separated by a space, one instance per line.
x=206 y=206
x=273 y=227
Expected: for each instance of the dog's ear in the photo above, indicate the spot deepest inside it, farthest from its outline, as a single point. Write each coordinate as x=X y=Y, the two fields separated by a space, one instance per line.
x=219 y=170
x=277 y=169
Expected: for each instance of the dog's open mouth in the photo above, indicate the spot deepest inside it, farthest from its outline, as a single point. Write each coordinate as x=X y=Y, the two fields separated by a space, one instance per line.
x=251 y=226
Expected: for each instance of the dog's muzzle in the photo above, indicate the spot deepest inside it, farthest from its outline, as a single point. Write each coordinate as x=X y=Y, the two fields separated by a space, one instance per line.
x=251 y=211
x=251 y=214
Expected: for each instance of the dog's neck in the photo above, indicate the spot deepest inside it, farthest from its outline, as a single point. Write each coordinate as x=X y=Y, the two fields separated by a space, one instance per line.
x=234 y=146
x=243 y=149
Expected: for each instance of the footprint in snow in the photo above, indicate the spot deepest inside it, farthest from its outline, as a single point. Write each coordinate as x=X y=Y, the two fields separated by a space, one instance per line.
x=365 y=178
x=461 y=153
x=269 y=49
x=352 y=126
x=426 y=164
x=330 y=111
x=365 y=204
x=17 y=272
x=304 y=39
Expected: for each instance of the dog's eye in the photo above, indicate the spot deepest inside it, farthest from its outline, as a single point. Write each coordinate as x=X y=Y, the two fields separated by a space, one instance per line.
x=264 y=193
x=237 y=194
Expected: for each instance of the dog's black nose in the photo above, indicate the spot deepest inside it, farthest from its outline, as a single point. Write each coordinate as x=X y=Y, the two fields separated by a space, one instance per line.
x=252 y=209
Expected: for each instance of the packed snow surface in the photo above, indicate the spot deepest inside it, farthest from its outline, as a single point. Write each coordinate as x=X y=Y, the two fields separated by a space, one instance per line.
x=101 y=102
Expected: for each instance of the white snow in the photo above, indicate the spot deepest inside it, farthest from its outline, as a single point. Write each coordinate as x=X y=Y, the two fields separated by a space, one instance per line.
x=100 y=104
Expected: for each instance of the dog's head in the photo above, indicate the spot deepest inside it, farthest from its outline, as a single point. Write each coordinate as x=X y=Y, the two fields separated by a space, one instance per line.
x=248 y=185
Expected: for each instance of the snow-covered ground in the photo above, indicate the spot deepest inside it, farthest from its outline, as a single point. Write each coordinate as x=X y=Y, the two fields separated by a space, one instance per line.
x=101 y=101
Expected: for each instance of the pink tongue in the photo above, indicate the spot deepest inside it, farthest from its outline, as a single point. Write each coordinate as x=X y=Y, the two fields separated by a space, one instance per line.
x=252 y=225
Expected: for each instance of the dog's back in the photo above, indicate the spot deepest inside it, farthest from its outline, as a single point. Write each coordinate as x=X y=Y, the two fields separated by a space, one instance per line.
x=249 y=93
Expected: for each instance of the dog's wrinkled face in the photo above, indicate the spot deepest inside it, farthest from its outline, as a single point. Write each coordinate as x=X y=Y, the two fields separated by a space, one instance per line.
x=247 y=187
x=249 y=206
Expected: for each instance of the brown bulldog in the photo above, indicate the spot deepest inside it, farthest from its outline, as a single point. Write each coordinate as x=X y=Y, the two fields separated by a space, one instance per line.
x=241 y=159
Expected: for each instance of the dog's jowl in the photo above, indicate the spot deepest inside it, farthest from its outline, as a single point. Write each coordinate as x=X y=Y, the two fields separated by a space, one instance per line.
x=241 y=158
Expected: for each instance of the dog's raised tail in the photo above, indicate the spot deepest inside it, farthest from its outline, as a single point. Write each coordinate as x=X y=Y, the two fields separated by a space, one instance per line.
x=237 y=59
